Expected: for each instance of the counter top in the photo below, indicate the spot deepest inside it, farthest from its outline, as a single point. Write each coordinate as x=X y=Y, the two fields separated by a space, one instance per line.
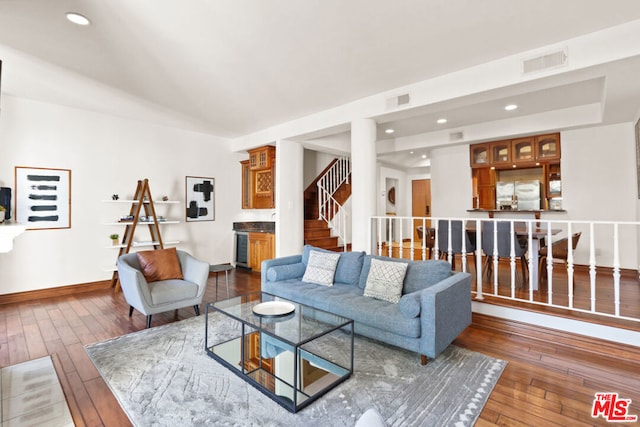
x=255 y=226
x=536 y=213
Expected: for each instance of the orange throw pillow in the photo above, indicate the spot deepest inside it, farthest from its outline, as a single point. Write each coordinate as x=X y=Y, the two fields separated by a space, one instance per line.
x=160 y=264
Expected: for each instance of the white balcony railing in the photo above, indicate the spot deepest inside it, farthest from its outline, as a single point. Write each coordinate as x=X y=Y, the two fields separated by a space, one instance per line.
x=597 y=275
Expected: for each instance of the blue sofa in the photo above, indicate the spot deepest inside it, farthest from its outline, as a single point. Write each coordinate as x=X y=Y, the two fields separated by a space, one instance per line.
x=435 y=306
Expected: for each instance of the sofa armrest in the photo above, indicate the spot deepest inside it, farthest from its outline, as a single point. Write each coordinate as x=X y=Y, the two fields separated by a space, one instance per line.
x=266 y=264
x=445 y=312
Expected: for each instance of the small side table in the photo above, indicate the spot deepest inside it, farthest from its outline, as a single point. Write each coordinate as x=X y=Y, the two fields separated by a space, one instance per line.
x=217 y=268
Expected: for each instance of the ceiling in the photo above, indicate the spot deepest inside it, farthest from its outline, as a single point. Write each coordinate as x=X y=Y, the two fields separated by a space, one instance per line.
x=235 y=67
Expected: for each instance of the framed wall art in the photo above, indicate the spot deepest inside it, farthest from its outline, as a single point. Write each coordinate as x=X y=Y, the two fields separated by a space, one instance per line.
x=43 y=197
x=200 y=199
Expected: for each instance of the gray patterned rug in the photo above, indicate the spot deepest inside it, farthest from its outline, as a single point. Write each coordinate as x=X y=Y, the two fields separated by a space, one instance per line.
x=163 y=377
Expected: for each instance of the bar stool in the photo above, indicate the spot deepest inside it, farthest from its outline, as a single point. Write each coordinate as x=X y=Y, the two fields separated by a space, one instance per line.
x=217 y=268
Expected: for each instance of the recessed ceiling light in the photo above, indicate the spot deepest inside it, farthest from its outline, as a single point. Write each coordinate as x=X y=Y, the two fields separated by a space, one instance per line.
x=424 y=156
x=389 y=131
x=441 y=121
x=410 y=152
x=78 y=19
x=510 y=107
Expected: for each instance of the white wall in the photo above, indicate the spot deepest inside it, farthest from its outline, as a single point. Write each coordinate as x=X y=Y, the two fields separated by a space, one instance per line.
x=450 y=181
x=599 y=183
x=108 y=155
x=314 y=163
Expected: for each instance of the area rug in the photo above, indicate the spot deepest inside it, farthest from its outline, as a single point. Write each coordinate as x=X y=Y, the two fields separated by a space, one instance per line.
x=163 y=377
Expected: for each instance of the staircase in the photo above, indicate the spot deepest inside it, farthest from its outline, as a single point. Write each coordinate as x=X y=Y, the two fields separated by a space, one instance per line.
x=317 y=232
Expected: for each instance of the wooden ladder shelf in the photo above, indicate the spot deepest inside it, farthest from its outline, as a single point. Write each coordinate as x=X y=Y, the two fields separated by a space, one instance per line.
x=141 y=200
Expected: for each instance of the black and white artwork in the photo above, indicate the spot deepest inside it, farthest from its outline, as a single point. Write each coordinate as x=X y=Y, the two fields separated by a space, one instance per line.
x=200 y=199
x=43 y=197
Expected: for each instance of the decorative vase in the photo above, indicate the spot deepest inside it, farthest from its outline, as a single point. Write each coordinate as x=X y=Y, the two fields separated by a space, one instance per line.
x=114 y=242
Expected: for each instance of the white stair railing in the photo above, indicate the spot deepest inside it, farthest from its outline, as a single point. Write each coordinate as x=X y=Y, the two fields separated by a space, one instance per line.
x=329 y=210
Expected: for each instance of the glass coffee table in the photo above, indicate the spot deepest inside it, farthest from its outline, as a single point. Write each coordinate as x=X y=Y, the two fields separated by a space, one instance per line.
x=291 y=352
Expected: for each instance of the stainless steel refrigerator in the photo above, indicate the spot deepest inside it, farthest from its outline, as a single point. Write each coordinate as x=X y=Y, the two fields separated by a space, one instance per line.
x=528 y=194
x=504 y=194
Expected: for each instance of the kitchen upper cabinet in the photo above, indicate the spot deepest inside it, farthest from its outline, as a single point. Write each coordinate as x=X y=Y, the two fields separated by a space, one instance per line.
x=523 y=150
x=501 y=152
x=259 y=179
x=528 y=152
x=548 y=147
x=261 y=158
x=480 y=155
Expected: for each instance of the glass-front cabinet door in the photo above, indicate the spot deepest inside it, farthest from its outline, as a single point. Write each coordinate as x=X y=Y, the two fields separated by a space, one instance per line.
x=501 y=152
x=548 y=147
x=480 y=155
x=522 y=150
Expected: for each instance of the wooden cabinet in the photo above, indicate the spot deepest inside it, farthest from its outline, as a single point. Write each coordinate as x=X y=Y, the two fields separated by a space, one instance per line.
x=246 y=185
x=548 y=147
x=261 y=158
x=533 y=157
x=484 y=188
x=501 y=152
x=480 y=155
x=261 y=247
x=259 y=179
x=522 y=150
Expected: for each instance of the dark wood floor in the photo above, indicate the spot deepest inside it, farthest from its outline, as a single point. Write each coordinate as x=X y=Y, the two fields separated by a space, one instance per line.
x=551 y=377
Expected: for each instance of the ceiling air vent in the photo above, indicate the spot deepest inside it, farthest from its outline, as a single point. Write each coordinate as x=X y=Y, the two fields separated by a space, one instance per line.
x=545 y=62
x=398 y=101
x=456 y=136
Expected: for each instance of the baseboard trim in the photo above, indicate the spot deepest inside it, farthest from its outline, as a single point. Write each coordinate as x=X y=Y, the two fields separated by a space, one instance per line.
x=573 y=326
x=38 y=294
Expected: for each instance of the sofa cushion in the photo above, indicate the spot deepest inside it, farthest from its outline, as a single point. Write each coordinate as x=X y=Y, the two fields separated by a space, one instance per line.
x=170 y=291
x=422 y=274
x=160 y=264
x=385 y=280
x=287 y=271
x=321 y=268
x=409 y=305
x=349 y=264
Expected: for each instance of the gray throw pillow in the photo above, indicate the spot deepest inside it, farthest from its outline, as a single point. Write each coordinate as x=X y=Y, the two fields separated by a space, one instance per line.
x=321 y=268
x=385 y=280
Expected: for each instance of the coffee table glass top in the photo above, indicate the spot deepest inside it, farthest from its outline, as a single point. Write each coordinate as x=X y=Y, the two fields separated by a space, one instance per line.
x=303 y=324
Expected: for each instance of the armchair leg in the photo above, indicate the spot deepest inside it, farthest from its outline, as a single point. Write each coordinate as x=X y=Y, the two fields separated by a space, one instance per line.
x=130 y=310
x=196 y=308
x=423 y=359
x=148 y=321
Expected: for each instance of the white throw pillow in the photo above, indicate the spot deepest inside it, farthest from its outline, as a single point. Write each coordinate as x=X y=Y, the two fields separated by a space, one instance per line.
x=385 y=280
x=321 y=268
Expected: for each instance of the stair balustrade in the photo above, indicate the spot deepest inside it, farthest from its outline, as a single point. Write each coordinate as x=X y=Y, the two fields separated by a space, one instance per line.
x=329 y=209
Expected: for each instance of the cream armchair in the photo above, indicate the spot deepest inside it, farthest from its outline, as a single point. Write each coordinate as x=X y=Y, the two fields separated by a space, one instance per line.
x=163 y=295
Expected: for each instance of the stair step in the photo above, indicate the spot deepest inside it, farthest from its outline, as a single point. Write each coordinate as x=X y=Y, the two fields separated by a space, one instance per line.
x=317 y=233
x=314 y=223
x=322 y=242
